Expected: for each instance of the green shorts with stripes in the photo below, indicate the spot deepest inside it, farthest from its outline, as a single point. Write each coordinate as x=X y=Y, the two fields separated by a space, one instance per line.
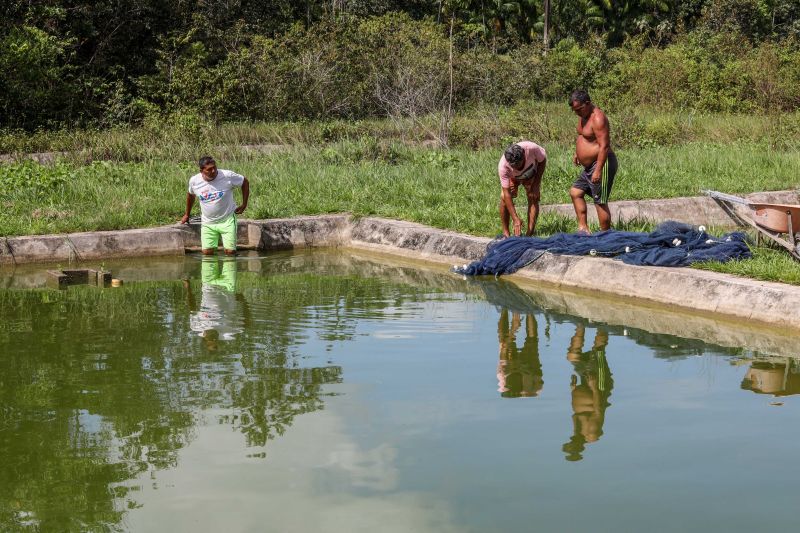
x=598 y=191
x=210 y=233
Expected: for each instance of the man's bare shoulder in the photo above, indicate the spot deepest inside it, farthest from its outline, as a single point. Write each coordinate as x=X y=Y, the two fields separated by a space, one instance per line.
x=599 y=117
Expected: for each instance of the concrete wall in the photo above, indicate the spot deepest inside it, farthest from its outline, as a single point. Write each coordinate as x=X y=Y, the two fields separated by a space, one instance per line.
x=706 y=292
x=697 y=210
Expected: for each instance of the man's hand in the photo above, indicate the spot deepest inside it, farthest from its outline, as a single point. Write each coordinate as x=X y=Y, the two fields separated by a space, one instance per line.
x=575 y=159
x=517 y=227
x=184 y=219
x=596 y=178
x=240 y=209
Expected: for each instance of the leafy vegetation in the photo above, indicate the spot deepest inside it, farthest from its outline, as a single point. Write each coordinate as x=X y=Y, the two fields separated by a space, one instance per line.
x=113 y=63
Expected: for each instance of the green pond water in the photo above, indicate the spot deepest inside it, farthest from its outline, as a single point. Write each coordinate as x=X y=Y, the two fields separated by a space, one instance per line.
x=329 y=392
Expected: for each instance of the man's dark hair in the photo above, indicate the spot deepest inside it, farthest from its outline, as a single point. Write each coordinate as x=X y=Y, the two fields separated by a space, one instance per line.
x=206 y=159
x=514 y=154
x=580 y=96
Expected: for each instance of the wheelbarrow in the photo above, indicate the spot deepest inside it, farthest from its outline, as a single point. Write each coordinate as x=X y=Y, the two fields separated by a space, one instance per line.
x=772 y=221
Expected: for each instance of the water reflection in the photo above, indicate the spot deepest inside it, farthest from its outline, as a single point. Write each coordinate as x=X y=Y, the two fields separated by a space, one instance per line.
x=519 y=372
x=773 y=376
x=98 y=387
x=102 y=388
x=222 y=311
x=591 y=385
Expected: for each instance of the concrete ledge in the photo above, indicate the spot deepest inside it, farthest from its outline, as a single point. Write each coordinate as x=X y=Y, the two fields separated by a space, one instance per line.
x=699 y=290
x=660 y=319
x=6 y=257
x=768 y=303
x=299 y=232
x=420 y=241
x=41 y=249
x=130 y=243
x=697 y=210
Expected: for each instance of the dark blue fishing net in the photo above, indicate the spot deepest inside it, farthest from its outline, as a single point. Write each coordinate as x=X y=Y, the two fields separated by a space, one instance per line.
x=671 y=244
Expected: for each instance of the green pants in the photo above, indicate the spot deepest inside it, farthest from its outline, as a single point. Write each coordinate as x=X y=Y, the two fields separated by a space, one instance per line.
x=219 y=273
x=210 y=232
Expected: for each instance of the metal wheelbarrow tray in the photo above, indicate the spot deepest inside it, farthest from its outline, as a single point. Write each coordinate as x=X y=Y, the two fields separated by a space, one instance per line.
x=772 y=221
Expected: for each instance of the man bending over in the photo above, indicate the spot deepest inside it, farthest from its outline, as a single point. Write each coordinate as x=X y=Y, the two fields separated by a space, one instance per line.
x=522 y=163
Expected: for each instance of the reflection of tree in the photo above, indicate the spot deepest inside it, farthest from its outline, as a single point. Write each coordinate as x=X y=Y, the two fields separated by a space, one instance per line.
x=99 y=386
x=591 y=386
x=519 y=372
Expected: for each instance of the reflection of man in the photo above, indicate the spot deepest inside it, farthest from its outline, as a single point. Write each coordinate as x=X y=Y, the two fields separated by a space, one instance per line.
x=772 y=377
x=217 y=317
x=591 y=387
x=519 y=372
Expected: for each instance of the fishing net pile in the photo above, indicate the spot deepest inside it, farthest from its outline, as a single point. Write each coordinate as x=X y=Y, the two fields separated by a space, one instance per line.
x=671 y=244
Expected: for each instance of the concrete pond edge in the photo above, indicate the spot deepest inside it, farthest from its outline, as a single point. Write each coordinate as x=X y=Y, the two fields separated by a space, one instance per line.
x=698 y=291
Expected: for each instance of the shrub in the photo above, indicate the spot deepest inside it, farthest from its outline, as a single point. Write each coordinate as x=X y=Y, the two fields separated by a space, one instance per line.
x=35 y=78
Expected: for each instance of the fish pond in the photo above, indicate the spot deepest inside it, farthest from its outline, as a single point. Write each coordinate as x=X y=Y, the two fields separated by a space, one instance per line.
x=337 y=391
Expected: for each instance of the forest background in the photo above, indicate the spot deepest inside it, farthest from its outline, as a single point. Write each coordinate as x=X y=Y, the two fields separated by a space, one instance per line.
x=117 y=62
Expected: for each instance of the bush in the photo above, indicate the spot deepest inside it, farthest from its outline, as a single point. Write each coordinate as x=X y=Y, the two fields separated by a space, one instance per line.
x=35 y=83
x=357 y=68
x=568 y=67
x=705 y=72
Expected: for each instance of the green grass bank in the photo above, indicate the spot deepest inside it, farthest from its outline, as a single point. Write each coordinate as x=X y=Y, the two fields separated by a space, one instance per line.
x=381 y=168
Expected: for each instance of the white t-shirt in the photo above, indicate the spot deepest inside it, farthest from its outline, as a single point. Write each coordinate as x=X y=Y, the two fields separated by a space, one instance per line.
x=219 y=311
x=216 y=196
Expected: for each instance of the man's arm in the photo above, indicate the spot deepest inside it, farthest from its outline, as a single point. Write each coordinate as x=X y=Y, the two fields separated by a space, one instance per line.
x=600 y=128
x=537 y=180
x=245 y=197
x=189 y=204
x=508 y=201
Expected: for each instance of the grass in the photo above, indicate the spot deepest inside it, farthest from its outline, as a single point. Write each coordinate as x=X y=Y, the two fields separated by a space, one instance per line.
x=142 y=182
x=767 y=264
x=457 y=189
x=180 y=136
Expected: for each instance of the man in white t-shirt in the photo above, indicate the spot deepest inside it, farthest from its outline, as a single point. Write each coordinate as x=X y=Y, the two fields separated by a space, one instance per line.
x=522 y=163
x=214 y=187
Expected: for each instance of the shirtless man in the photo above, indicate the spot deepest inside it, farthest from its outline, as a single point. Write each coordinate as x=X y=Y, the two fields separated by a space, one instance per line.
x=593 y=152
